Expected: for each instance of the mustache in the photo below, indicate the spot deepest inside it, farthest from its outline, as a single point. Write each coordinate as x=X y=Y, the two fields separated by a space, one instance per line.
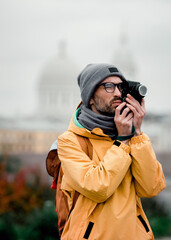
x=116 y=99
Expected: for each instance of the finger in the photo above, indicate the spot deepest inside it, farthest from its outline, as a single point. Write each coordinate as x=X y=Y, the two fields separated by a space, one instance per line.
x=143 y=103
x=132 y=101
x=129 y=96
x=135 y=102
x=132 y=108
x=119 y=108
x=129 y=116
x=125 y=111
x=140 y=113
x=139 y=108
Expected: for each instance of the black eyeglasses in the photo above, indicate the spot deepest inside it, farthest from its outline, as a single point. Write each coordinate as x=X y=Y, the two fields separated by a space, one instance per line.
x=110 y=86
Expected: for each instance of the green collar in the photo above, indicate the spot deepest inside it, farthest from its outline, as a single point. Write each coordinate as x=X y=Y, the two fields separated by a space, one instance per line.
x=75 y=119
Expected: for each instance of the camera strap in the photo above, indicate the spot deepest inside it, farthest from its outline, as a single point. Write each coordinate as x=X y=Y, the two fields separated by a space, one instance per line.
x=123 y=138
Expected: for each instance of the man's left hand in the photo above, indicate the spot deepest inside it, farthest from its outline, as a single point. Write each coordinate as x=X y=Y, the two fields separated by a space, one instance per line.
x=138 y=111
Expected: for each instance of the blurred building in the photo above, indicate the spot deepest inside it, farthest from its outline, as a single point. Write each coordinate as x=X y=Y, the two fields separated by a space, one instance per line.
x=158 y=127
x=58 y=96
x=14 y=141
x=58 y=93
x=124 y=59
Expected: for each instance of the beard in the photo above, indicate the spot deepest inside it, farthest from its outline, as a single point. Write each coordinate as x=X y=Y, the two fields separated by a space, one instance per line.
x=105 y=108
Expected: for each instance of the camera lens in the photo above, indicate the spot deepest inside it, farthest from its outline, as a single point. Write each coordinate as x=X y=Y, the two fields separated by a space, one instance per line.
x=142 y=90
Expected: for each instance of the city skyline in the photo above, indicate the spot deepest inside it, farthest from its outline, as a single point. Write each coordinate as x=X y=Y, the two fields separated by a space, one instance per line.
x=32 y=30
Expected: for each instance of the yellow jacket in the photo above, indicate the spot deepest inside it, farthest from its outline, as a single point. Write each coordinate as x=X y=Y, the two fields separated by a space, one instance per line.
x=110 y=185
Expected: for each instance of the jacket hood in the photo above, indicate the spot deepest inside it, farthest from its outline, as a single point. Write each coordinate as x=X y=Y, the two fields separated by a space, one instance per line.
x=77 y=128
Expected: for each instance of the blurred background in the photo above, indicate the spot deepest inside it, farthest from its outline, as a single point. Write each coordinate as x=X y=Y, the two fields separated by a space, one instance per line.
x=44 y=44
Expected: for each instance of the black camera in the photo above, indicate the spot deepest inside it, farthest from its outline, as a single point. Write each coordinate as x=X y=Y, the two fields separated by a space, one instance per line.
x=135 y=89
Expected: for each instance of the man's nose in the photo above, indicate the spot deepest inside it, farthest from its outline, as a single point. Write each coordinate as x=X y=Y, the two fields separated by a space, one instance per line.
x=117 y=92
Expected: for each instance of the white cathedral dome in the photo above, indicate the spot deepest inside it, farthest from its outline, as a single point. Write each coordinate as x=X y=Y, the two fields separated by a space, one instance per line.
x=57 y=90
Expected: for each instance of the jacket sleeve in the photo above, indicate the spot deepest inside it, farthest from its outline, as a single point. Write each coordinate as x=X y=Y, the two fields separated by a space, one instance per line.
x=96 y=181
x=147 y=171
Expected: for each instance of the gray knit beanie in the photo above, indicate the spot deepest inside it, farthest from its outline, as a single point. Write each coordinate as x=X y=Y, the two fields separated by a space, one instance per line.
x=92 y=75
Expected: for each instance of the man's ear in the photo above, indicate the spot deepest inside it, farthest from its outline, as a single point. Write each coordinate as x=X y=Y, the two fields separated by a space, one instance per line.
x=93 y=105
x=91 y=101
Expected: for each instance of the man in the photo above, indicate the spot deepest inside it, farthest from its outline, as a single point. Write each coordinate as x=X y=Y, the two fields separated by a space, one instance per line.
x=123 y=167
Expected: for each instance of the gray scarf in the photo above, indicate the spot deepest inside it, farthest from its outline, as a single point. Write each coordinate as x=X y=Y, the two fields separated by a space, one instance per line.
x=90 y=120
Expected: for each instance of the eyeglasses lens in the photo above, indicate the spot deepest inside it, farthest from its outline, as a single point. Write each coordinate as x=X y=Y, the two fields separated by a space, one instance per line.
x=110 y=87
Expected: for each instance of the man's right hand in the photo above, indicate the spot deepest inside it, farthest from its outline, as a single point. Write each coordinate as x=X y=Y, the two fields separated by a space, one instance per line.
x=124 y=120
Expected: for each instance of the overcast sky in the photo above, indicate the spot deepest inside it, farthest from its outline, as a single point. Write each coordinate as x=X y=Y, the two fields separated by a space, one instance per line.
x=30 y=31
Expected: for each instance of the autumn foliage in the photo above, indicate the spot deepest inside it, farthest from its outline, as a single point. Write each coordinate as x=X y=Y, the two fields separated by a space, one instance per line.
x=21 y=189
